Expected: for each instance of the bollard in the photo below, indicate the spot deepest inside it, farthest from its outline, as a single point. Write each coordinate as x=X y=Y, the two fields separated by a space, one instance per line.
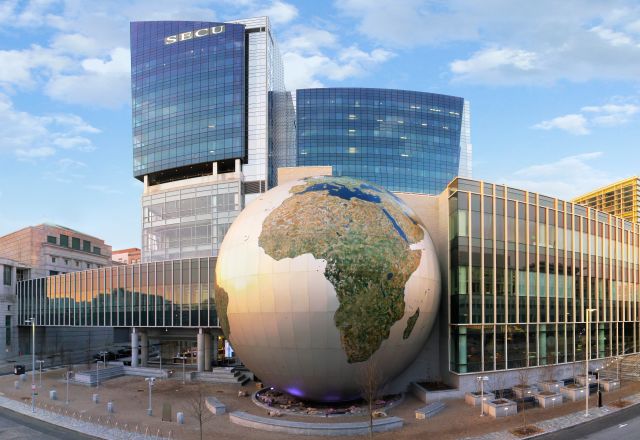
x=110 y=407
x=53 y=395
x=96 y=398
x=16 y=384
x=180 y=418
x=23 y=377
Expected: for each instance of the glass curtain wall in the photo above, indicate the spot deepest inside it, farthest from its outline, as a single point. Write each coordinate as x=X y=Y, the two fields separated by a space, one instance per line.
x=177 y=293
x=524 y=270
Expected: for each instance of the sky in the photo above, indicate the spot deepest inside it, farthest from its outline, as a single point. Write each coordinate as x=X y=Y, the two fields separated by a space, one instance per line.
x=554 y=89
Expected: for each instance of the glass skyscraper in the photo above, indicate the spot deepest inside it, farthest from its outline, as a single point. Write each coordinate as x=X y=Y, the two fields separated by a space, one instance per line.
x=403 y=140
x=208 y=99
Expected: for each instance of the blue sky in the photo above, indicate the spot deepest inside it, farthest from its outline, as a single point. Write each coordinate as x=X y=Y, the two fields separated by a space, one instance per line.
x=554 y=89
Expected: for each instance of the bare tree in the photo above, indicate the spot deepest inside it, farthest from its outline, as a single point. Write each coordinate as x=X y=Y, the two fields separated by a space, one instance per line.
x=523 y=382
x=197 y=407
x=370 y=381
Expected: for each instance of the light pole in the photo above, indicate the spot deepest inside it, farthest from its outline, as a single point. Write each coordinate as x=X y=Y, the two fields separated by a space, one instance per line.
x=40 y=361
x=184 y=358
x=68 y=375
x=32 y=321
x=586 y=364
x=151 y=381
x=482 y=380
x=103 y=354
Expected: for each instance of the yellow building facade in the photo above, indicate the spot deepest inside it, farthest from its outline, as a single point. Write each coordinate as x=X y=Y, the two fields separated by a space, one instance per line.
x=621 y=199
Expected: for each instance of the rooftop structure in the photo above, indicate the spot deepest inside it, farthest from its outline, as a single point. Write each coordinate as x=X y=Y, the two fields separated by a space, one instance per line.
x=621 y=199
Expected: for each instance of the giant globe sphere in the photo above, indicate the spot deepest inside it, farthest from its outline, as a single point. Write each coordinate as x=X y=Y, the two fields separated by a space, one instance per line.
x=320 y=280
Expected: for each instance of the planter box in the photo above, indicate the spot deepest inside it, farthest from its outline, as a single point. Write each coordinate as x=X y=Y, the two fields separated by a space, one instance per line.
x=581 y=380
x=609 y=384
x=474 y=399
x=521 y=391
x=497 y=408
x=549 y=399
x=574 y=394
x=551 y=386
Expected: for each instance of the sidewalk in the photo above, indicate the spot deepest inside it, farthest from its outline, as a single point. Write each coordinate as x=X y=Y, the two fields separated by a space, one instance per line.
x=71 y=423
x=560 y=423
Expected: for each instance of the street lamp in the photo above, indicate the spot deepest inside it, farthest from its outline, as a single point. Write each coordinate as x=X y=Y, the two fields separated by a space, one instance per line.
x=40 y=361
x=151 y=381
x=586 y=364
x=482 y=380
x=184 y=358
x=32 y=321
x=103 y=354
x=68 y=375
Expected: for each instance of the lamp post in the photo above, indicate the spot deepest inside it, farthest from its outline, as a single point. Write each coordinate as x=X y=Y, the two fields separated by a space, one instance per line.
x=586 y=364
x=482 y=380
x=103 y=354
x=32 y=321
x=184 y=358
x=67 y=376
x=40 y=361
x=151 y=381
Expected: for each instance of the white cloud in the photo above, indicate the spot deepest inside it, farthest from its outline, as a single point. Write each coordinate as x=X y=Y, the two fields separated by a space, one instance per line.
x=565 y=178
x=495 y=64
x=30 y=137
x=35 y=153
x=279 y=12
x=534 y=43
x=102 y=82
x=573 y=123
x=311 y=55
x=607 y=115
x=65 y=171
x=302 y=71
x=21 y=67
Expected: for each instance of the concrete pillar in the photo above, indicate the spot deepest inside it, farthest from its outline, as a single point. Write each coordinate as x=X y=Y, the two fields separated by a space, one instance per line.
x=207 y=351
x=144 y=349
x=200 y=351
x=214 y=350
x=134 y=348
x=146 y=182
x=215 y=169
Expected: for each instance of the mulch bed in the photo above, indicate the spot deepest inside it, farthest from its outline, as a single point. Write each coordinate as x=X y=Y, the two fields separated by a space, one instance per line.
x=525 y=431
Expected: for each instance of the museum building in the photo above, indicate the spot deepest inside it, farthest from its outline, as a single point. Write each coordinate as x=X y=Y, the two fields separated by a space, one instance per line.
x=519 y=273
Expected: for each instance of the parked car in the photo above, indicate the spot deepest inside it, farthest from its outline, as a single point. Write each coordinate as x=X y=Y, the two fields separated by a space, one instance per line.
x=109 y=356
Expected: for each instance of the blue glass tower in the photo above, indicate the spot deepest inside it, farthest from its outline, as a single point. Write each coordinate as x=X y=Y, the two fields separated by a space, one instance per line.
x=403 y=140
x=189 y=97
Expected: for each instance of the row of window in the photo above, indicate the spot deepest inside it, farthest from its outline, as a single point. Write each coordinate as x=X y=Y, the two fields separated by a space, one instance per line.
x=63 y=241
x=72 y=262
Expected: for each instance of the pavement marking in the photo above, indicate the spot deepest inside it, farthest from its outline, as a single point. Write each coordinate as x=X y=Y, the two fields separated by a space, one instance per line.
x=623 y=425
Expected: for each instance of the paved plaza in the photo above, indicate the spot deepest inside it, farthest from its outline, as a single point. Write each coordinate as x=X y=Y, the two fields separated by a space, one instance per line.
x=129 y=395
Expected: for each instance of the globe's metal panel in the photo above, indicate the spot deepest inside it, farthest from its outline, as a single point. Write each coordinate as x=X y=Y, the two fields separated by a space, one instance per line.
x=282 y=313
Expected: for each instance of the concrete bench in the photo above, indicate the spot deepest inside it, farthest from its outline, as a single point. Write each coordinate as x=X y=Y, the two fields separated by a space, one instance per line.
x=215 y=406
x=319 y=429
x=429 y=411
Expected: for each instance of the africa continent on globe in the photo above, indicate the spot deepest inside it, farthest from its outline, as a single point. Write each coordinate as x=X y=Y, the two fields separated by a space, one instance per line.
x=319 y=276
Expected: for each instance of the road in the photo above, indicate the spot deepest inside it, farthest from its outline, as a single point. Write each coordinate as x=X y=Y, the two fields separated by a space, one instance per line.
x=15 y=426
x=621 y=425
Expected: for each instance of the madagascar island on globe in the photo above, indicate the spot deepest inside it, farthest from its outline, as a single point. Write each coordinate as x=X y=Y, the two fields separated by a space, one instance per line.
x=320 y=276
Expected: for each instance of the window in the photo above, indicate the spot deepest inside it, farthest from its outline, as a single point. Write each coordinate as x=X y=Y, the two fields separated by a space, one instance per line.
x=96 y=250
x=77 y=263
x=51 y=239
x=7 y=330
x=53 y=272
x=75 y=243
x=53 y=259
x=64 y=240
x=86 y=245
x=66 y=261
x=7 y=275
